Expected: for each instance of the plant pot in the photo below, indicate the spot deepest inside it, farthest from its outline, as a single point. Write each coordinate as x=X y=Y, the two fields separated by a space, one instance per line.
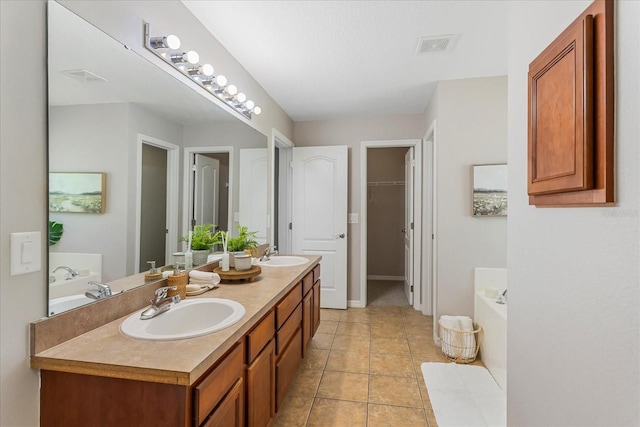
x=232 y=258
x=200 y=256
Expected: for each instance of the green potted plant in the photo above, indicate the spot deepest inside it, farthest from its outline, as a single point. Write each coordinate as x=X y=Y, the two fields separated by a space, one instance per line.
x=202 y=240
x=244 y=242
x=55 y=232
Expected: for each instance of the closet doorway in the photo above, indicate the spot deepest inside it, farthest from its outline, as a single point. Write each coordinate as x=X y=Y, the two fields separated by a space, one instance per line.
x=390 y=233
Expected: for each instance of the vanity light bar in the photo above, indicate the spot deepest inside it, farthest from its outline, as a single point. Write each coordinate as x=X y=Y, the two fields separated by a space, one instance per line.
x=188 y=63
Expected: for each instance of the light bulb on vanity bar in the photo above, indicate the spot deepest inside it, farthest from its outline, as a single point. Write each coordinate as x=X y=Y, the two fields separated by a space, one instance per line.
x=221 y=81
x=165 y=42
x=190 y=57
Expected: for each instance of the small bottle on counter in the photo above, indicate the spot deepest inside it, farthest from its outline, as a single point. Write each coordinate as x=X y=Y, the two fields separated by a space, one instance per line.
x=224 y=262
x=179 y=279
x=153 y=273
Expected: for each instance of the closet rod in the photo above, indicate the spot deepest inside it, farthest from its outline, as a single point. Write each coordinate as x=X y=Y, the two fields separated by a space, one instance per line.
x=377 y=183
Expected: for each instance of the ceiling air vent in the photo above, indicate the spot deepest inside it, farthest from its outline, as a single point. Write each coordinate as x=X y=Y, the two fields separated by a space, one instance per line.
x=436 y=44
x=84 y=76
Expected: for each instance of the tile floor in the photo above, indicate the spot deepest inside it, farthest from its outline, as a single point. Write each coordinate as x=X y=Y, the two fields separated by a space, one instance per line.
x=363 y=369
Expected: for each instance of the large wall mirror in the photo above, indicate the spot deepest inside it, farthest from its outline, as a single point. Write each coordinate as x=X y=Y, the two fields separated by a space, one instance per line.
x=140 y=129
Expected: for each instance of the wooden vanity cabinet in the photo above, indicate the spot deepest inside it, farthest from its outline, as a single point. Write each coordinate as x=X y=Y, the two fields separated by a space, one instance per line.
x=244 y=387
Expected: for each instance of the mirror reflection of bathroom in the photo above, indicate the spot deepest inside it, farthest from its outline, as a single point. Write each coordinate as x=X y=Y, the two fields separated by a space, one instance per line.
x=106 y=115
x=209 y=190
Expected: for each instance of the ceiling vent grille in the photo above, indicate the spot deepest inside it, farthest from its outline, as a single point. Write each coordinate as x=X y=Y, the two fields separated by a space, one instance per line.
x=436 y=44
x=84 y=76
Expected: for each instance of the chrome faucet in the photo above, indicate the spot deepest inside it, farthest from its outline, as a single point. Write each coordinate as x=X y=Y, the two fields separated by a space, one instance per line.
x=103 y=291
x=71 y=273
x=160 y=303
x=502 y=298
x=268 y=252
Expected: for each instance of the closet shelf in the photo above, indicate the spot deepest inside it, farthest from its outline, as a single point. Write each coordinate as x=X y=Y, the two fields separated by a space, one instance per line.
x=381 y=183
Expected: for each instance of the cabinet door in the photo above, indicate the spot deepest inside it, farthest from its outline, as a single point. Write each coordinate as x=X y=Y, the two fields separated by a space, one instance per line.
x=307 y=321
x=316 y=307
x=287 y=366
x=230 y=412
x=261 y=388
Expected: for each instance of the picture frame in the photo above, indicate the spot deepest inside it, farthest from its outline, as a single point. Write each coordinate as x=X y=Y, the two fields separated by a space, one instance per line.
x=77 y=192
x=490 y=196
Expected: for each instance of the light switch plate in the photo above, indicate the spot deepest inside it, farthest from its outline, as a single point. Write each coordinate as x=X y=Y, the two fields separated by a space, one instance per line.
x=353 y=218
x=26 y=251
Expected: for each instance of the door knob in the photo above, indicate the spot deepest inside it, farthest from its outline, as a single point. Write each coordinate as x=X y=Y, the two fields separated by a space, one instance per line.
x=340 y=236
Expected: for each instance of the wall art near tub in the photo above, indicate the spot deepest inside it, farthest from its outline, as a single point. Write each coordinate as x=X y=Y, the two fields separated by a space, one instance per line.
x=77 y=192
x=490 y=190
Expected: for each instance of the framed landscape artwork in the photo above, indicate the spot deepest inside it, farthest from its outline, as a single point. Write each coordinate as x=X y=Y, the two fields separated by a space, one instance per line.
x=77 y=192
x=490 y=190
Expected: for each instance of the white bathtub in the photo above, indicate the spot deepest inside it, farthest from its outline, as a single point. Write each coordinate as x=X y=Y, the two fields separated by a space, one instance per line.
x=89 y=267
x=62 y=304
x=493 y=318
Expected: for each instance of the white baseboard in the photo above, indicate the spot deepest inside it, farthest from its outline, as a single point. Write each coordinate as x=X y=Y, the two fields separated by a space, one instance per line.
x=355 y=303
x=380 y=277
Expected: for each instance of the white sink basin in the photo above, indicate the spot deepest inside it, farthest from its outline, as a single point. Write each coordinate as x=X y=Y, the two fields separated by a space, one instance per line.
x=186 y=319
x=59 y=305
x=283 y=261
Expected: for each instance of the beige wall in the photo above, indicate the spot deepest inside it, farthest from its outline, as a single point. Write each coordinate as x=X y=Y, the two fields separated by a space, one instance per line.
x=574 y=280
x=471 y=128
x=351 y=132
x=23 y=133
x=385 y=212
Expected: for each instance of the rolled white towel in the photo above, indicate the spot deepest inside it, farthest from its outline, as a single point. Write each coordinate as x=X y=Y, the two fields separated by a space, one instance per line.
x=466 y=324
x=469 y=340
x=204 y=282
x=203 y=275
x=449 y=337
x=450 y=322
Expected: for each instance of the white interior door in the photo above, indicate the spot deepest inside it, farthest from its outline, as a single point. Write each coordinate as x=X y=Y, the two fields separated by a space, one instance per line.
x=206 y=189
x=408 y=225
x=253 y=191
x=319 y=216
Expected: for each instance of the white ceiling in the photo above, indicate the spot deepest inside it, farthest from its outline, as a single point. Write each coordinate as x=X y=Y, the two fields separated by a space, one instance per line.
x=331 y=59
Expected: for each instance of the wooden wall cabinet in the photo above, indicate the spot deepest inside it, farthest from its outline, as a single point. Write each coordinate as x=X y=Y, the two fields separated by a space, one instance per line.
x=570 y=148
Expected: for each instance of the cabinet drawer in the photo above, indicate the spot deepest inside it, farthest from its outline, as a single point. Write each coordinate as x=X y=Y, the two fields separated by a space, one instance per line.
x=316 y=273
x=260 y=336
x=215 y=384
x=307 y=322
x=230 y=413
x=288 y=329
x=286 y=306
x=287 y=366
x=307 y=283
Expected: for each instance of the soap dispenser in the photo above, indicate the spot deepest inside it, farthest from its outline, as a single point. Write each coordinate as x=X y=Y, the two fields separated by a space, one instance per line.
x=153 y=273
x=179 y=279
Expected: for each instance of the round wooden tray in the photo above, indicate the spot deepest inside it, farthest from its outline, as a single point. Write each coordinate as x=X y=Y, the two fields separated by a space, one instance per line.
x=233 y=275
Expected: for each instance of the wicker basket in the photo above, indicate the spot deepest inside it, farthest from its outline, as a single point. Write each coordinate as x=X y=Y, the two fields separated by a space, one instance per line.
x=460 y=346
